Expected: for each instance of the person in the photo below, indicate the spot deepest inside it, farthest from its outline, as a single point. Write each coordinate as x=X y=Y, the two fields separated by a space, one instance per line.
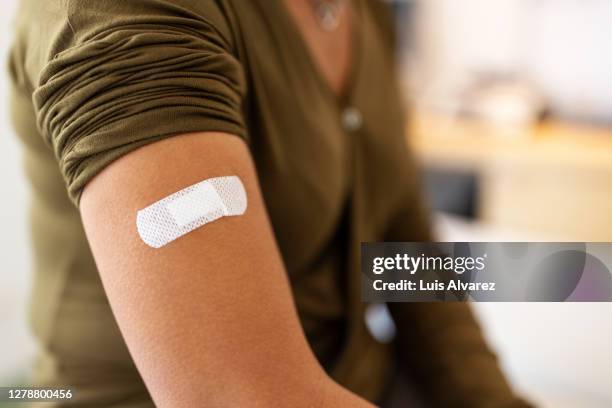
x=122 y=103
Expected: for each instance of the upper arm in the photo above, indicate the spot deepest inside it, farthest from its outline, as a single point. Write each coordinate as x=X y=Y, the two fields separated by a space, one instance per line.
x=138 y=101
x=211 y=310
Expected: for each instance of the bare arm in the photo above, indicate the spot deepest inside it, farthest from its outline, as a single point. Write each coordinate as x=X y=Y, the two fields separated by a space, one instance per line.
x=209 y=318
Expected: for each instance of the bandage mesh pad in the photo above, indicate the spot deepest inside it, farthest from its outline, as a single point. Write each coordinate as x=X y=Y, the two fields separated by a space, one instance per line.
x=190 y=208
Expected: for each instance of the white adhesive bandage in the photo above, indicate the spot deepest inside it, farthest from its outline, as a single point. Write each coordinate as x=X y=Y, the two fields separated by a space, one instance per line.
x=190 y=208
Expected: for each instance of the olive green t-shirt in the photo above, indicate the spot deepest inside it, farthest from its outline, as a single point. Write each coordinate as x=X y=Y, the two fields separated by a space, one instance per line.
x=96 y=79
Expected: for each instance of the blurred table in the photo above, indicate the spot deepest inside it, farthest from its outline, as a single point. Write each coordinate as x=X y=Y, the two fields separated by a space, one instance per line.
x=553 y=179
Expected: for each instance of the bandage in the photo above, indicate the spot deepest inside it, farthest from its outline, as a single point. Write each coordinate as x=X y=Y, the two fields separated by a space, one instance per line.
x=188 y=209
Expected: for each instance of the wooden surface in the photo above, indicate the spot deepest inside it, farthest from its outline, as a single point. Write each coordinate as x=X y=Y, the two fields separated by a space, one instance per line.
x=554 y=179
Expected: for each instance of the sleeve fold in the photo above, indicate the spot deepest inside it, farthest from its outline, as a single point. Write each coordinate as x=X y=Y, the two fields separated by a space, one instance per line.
x=125 y=80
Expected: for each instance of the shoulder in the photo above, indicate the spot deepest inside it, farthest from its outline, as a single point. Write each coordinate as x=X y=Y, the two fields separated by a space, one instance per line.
x=43 y=30
x=111 y=76
x=210 y=18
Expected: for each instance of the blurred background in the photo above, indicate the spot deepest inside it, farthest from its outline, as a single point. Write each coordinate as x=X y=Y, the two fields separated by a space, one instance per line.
x=511 y=119
x=511 y=108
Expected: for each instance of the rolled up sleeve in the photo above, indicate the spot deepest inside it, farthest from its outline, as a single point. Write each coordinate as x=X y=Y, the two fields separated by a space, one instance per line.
x=131 y=73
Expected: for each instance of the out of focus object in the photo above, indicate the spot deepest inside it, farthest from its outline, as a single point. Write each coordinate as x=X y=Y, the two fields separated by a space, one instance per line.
x=507 y=102
x=556 y=51
x=451 y=192
x=567 y=53
x=459 y=46
x=555 y=180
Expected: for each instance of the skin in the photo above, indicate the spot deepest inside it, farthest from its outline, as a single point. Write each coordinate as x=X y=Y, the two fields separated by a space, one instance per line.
x=330 y=51
x=209 y=319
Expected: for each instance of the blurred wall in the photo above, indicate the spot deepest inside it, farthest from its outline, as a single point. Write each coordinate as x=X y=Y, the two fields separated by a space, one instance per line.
x=562 y=46
x=569 y=56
